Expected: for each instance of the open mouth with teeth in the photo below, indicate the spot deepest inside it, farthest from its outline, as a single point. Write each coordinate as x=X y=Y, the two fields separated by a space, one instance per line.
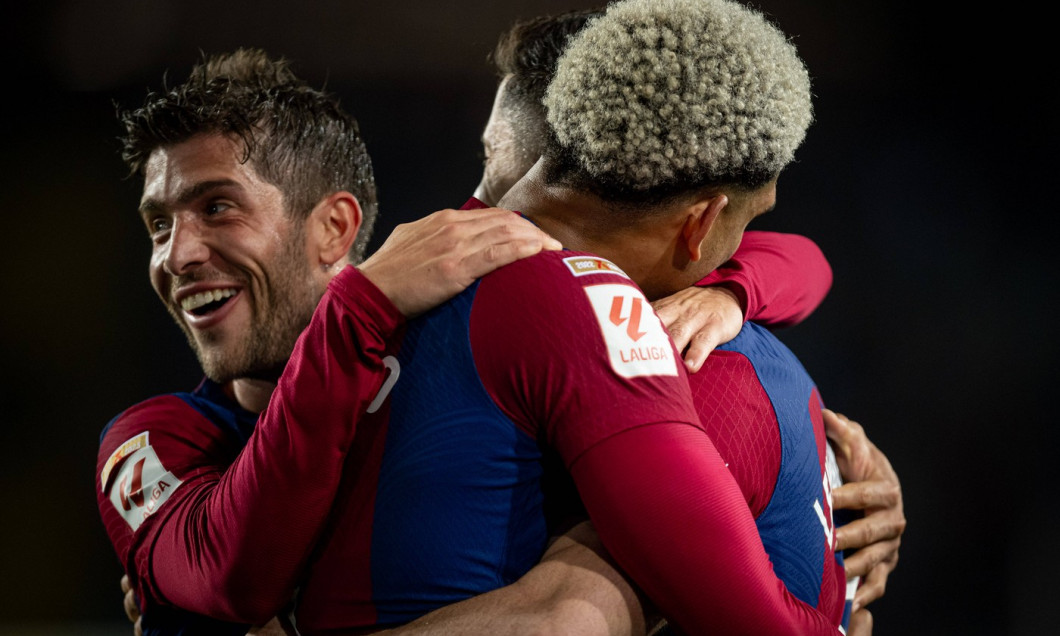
x=206 y=302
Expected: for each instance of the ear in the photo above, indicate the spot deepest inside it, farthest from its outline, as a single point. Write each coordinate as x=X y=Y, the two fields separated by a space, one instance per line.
x=701 y=217
x=332 y=227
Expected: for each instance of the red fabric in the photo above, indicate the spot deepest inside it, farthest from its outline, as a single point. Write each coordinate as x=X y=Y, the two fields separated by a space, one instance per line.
x=780 y=278
x=740 y=420
x=672 y=517
x=230 y=544
x=652 y=481
x=833 y=596
x=540 y=350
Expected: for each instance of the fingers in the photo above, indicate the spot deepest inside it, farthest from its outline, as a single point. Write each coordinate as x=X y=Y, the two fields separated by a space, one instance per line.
x=860 y=623
x=494 y=226
x=700 y=347
x=855 y=454
x=838 y=430
x=698 y=319
x=138 y=628
x=865 y=560
x=882 y=525
x=860 y=495
x=129 y=602
x=694 y=334
x=424 y=263
x=132 y=610
x=874 y=584
x=500 y=246
x=679 y=329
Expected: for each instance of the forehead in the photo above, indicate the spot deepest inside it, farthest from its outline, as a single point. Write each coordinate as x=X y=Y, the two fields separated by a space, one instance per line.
x=171 y=171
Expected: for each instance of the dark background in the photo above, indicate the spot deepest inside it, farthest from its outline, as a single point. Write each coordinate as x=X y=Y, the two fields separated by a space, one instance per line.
x=928 y=179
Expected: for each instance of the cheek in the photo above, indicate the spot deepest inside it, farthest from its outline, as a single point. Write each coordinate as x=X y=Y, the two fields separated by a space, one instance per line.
x=156 y=273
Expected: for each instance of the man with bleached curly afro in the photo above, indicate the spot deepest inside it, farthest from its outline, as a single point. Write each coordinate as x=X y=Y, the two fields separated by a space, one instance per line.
x=711 y=93
x=671 y=121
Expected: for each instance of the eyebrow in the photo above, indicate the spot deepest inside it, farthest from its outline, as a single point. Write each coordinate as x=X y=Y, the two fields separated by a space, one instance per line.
x=189 y=194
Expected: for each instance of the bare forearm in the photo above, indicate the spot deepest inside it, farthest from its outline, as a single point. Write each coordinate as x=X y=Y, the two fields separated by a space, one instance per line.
x=574 y=590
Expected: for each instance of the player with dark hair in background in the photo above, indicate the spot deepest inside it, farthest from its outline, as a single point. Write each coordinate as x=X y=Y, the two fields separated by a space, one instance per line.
x=242 y=254
x=258 y=191
x=516 y=136
x=396 y=401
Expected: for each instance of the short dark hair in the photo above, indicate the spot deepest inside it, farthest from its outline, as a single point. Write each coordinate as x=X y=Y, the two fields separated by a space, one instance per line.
x=297 y=138
x=527 y=54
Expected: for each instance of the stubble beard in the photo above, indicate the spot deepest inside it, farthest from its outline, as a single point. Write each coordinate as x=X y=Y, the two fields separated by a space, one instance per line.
x=277 y=319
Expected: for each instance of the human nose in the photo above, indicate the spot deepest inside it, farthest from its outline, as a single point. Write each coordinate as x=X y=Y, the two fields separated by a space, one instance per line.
x=186 y=248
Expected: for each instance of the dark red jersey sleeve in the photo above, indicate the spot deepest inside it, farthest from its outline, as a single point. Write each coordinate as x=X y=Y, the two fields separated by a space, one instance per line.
x=669 y=512
x=779 y=278
x=572 y=351
x=230 y=543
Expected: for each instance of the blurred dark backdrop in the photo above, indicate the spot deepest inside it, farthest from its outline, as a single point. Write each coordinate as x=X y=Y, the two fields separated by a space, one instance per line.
x=927 y=179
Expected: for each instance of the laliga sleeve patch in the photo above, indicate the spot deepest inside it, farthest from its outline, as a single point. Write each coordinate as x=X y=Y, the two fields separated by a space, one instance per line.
x=141 y=484
x=636 y=342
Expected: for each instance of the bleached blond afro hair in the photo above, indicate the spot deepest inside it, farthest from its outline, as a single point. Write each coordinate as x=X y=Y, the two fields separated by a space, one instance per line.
x=668 y=95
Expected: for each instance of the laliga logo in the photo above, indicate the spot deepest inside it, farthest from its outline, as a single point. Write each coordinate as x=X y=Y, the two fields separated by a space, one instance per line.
x=135 y=492
x=141 y=485
x=636 y=343
x=633 y=328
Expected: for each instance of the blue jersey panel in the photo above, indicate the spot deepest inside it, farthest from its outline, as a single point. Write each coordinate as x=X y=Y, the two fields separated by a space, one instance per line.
x=458 y=507
x=791 y=530
x=215 y=405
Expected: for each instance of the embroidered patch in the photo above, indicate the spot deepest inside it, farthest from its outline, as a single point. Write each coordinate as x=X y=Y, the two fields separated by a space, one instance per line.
x=141 y=485
x=636 y=342
x=130 y=445
x=583 y=265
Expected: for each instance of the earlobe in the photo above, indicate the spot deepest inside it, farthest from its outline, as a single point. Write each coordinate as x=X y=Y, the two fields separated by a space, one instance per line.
x=337 y=219
x=700 y=219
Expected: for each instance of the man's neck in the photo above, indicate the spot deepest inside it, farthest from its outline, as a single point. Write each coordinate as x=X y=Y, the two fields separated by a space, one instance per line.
x=647 y=252
x=253 y=395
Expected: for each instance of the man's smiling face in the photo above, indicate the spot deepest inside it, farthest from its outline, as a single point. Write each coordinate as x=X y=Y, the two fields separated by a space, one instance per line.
x=227 y=261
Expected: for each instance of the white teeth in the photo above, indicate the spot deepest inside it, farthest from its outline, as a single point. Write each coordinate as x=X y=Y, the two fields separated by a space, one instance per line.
x=203 y=298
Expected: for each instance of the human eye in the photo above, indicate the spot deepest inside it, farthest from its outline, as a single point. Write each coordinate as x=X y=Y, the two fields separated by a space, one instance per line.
x=157 y=226
x=214 y=208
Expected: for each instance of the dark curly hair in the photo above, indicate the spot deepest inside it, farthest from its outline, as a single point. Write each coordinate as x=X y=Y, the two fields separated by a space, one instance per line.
x=297 y=138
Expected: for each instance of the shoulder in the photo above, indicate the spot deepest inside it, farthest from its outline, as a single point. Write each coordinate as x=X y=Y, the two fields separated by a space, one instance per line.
x=160 y=410
x=150 y=449
x=580 y=306
x=567 y=340
x=176 y=427
x=551 y=291
x=551 y=279
x=562 y=264
x=208 y=405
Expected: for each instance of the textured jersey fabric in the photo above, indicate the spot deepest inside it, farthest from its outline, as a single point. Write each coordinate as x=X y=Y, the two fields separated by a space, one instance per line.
x=559 y=350
x=208 y=517
x=763 y=412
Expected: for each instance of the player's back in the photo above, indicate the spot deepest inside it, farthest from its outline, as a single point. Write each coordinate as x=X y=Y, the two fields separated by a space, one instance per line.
x=442 y=494
x=763 y=412
x=441 y=499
